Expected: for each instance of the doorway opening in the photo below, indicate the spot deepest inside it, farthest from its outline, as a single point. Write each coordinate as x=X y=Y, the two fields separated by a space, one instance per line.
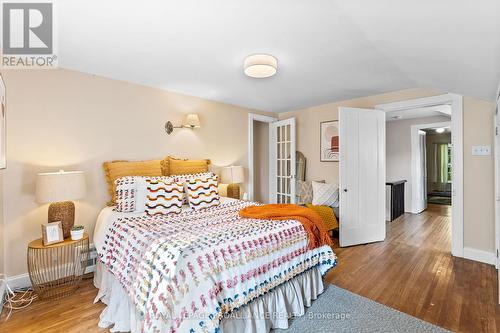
x=438 y=165
x=412 y=163
x=259 y=157
x=279 y=163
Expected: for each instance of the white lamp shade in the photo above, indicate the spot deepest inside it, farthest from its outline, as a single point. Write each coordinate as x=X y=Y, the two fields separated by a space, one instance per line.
x=232 y=175
x=260 y=66
x=60 y=186
x=192 y=120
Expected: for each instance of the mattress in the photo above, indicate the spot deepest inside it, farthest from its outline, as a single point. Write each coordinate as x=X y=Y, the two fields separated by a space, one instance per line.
x=188 y=271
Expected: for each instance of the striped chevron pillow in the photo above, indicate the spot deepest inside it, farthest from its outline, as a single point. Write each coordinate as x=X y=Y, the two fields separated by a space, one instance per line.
x=187 y=177
x=129 y=190
x=163 y=197
x=202 y=192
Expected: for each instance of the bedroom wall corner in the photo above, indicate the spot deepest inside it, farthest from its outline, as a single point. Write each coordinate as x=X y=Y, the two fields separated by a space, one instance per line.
x=479 y=222
x=62 y=119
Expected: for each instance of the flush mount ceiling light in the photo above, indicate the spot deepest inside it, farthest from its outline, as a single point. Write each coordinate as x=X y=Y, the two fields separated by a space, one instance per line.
x=260 y=66
x=440 y=130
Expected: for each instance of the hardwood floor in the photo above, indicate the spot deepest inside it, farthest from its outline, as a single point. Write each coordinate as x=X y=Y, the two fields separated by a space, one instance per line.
x=412 y=271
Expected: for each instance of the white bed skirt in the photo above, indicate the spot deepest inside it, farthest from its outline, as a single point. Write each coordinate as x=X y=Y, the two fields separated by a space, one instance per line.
x=269 y=311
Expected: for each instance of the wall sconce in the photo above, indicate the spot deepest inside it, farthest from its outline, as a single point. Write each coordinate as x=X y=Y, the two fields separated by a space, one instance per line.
x=192 y=121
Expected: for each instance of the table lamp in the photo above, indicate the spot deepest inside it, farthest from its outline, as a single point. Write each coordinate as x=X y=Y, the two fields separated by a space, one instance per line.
x=58 y=188
x=233 y=175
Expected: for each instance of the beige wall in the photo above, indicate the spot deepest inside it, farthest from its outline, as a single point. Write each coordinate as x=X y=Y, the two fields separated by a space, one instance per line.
x=479 y=180
x=398 y=151
x=75 y=121
x=479 y=225
x=2 y=234
x=261 y=161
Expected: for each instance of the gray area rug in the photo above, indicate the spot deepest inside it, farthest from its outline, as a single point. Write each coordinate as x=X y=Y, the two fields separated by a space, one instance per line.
x=338 y=310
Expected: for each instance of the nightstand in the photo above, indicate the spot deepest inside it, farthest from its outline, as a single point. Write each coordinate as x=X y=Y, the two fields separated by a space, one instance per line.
x=56 y=270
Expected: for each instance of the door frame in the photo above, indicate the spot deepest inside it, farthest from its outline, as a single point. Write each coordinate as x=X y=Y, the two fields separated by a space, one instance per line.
x=496 y=145
x=456 y=103
x=415 y=158
x=253 y=117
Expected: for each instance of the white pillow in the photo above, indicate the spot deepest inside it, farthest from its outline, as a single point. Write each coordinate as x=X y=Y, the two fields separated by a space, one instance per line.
x=202 y=192
x=325 y=194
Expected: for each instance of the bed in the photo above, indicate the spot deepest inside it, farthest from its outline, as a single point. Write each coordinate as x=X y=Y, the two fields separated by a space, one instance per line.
x=204 y=271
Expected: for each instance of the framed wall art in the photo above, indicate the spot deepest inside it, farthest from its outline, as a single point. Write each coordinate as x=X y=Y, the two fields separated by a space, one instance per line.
x=329 y=141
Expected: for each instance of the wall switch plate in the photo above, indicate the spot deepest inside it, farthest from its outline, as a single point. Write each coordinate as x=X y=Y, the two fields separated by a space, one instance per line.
x=481 y=150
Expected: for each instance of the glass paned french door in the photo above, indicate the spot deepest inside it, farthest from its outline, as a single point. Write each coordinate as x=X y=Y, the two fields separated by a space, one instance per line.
x=283 y=160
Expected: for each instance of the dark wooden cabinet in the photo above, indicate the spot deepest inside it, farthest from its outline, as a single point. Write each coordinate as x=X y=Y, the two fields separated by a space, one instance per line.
x=397 y=199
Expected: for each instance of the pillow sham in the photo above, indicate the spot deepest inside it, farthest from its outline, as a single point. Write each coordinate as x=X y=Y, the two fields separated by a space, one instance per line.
x=181 y=167
x=327 y=215
x=186 y=177
x=325 y=194
x=130 y=191
x=203 y=193
x=117 y=169
x=163 y=197
x=165 y=166
x=305 y=191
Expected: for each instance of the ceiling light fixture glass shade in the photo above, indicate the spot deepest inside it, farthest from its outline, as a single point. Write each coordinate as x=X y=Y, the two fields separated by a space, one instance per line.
x=260 y=66
x=440 y=130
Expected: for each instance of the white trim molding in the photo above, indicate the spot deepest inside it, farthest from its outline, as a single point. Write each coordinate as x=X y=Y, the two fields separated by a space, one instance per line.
x=457 y=210
x=19 y=281
x=23 y=280
x=479 y=255
x=251 y=118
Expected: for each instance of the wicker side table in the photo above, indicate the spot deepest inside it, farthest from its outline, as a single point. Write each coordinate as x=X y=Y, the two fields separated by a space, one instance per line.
x=56 y=270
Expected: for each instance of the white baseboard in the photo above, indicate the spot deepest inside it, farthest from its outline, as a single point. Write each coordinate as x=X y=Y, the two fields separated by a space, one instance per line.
x=19 y=281
x=23 y=280
x=2 y=294
x=479 y=255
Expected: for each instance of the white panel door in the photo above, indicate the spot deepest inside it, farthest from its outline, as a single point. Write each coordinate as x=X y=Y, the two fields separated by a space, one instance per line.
x=282 y=161
x=362 y=176
x=421 y=184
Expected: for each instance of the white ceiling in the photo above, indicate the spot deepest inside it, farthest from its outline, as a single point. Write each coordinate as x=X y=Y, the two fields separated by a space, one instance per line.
x=327 y=50
x=431 y=111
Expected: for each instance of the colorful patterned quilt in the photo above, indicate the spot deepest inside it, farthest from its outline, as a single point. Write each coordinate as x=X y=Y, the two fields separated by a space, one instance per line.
x=187 y=271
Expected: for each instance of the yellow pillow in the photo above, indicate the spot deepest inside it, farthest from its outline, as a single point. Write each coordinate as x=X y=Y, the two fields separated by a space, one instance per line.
x=116 y=169
x=327 y=215
x=165 y=166
x=181 y=167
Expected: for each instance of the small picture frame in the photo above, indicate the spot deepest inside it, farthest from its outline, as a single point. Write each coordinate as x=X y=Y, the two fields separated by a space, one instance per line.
x=52 y=233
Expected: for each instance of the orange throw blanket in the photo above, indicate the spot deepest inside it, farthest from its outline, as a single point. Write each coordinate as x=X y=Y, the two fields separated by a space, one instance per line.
x=310 y=220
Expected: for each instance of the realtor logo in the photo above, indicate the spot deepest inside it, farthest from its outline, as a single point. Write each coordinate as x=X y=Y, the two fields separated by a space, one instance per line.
x=28 y=34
